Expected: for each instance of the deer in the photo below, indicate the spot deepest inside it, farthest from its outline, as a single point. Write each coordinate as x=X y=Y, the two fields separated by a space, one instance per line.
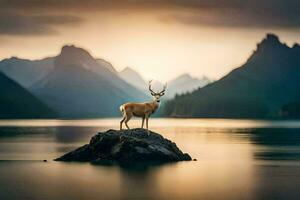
x=143 y=110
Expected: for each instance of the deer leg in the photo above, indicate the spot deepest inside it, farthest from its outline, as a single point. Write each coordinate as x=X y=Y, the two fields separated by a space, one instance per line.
x=126 y=120
x=147 y=118
x=143 y=122
x=121 y=122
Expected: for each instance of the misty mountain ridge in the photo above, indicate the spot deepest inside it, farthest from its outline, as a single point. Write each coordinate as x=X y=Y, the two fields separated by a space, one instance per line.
x=31 y=73
x=181 y=84
x=75 y=85
x=79 y=86
x=186 y=83
x=17 y=102
x=258 y=89
x=106 y=64
x=134 y=78
x=26 y=72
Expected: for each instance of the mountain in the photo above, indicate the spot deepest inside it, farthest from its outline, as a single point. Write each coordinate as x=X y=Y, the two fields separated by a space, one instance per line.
x=26 y=72
x=185 y=83
x=134 y=78
x=107 y=65
x=258 y=89
x=182 y=84
x=80 y=87
x=17 y=103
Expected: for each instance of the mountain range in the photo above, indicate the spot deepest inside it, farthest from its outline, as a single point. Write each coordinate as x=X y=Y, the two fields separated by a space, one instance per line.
x=260 y=88
x=180 y=85
x=185 y=83
x=17 y=102
x=74 y=84
x=26 y=72
x=134 y=78
x=77 y=85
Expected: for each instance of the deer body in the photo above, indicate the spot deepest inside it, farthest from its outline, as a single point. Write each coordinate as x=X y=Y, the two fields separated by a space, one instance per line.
x=143 y=110
x=139 y=109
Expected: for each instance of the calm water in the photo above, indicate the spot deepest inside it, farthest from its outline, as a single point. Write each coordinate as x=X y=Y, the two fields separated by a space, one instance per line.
x=237 y=159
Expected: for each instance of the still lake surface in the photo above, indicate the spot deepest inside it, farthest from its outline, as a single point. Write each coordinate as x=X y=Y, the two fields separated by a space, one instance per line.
x=236 y=159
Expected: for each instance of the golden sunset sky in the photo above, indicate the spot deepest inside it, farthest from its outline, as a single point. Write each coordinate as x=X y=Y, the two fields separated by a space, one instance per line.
x=159 y=39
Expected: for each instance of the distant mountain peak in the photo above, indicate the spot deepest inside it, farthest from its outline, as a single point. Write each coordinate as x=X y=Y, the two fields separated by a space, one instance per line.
x=72 y=50
x=72 y=55
x=107 y=65
x=184 y=76
x=71 y=47
x=132 y=77
x=181 y=79
x=270 y=42
x=185 y=83
x=272 y=37
x=206 y=78
x=267 y=48
x=129 y=69
x=130 y=72
x=13 y=59
x=187 y=77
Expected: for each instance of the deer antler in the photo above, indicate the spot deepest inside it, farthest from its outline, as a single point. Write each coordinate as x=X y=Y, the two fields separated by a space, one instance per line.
x=150 y=87
x=164 y=89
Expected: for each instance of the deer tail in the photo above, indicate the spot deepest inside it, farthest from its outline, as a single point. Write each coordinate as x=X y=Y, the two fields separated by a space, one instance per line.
x=122 y=109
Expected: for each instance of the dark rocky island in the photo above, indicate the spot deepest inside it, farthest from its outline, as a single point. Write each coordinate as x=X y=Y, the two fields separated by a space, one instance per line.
x=133 y=146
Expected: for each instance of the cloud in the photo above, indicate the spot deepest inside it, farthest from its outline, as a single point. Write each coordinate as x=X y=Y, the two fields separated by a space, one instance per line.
x=241 y=18
x=229 y=13
x=22 y=24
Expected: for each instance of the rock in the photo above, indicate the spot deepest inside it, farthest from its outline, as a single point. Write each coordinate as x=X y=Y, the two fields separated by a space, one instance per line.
x=127 y=147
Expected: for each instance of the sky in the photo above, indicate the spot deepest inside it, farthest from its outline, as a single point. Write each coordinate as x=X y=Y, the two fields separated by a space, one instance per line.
x=160 y=39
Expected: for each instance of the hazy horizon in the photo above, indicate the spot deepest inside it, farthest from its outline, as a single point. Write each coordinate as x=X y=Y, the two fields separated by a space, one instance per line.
x=206 y=37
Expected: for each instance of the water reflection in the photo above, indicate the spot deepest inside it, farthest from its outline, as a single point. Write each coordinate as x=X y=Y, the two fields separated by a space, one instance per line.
x=276 y=144
x=236 y=160
x=268 y=143
x=138 y=183
x=275 y=137
x=74 y=134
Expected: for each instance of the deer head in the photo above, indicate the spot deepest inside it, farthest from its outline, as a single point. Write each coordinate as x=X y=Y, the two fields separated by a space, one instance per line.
x=157 y=95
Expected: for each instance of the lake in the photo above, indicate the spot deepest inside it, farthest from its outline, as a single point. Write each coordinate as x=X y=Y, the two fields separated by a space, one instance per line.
x=236 y=159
